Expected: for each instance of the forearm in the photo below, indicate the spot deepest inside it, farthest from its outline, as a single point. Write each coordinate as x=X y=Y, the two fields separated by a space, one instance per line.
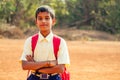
x=56 y=69
x=31 y=65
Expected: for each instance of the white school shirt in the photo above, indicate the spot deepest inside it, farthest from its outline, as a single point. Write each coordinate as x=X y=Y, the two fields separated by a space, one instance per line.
x=44 y=50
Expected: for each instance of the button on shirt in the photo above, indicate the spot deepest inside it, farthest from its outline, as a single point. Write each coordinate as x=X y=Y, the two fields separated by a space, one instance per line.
x=44 y=50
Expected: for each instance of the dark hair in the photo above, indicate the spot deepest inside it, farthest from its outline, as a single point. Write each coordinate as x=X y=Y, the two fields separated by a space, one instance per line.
x=45 y=8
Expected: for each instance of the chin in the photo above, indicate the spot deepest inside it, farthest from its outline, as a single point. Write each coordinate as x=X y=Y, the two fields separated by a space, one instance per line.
x=44 y=30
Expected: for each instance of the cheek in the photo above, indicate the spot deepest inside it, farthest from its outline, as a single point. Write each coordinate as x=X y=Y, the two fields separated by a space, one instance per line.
x=37 y=23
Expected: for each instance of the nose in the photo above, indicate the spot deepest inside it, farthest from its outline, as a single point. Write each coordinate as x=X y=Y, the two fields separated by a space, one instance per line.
x=43 y=20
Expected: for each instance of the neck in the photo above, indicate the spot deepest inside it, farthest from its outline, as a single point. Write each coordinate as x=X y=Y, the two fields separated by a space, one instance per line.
x=45 y=33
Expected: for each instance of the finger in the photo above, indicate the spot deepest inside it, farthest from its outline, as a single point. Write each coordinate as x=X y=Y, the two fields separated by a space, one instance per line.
x=28 y=57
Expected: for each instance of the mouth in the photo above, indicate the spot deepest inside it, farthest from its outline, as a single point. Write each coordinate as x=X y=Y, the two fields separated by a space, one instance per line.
x=43 y=25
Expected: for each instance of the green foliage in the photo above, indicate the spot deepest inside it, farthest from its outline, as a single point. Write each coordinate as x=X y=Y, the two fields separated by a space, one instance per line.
x=108 y=17
x=98 y=14
x=6 y=9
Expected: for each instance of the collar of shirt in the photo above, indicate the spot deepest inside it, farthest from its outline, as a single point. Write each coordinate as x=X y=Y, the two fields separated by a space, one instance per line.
x=47 y=38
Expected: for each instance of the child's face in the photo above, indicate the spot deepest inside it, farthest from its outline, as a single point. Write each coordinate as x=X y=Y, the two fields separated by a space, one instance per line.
x=44 y=21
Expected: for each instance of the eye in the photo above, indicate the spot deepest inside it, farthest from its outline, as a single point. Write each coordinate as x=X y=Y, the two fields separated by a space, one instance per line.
x=47 y=18
x=39 y=18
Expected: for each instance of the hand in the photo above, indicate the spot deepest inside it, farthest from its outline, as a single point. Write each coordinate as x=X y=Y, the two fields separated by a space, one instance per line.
x=52 y=63
x=29 y=58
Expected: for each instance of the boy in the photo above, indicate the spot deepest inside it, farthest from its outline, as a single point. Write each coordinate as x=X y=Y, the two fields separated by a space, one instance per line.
x=44 y=61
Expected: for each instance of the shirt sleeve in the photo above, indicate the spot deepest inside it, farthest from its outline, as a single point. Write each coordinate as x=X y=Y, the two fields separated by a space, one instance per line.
x=63 y=55
x=27 y=49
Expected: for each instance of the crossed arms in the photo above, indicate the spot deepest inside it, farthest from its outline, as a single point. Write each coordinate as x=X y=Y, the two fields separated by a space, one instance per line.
x=47 y=67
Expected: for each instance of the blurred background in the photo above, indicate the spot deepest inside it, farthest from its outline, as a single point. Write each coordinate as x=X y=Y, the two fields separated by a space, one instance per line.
x=91 y=29
x=88 y=19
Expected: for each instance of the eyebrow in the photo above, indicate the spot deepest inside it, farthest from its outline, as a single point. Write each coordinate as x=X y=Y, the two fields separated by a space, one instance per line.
x=41 y=16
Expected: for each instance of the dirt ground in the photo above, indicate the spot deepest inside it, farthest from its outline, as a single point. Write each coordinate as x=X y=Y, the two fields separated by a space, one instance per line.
x=90 y=60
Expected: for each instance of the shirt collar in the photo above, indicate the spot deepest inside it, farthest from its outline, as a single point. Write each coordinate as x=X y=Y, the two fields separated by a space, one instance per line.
x=47 y=38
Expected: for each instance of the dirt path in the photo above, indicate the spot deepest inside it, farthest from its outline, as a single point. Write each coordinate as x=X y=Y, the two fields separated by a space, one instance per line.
x=89 y=60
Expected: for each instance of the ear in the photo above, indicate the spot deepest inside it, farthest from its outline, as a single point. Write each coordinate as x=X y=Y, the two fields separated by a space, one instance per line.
x=53 y=21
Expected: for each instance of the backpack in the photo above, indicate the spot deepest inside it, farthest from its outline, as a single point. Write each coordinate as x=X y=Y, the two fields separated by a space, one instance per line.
x=56 y=42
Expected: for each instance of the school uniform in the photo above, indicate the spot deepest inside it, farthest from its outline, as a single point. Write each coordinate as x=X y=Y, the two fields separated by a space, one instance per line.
x=44 y=49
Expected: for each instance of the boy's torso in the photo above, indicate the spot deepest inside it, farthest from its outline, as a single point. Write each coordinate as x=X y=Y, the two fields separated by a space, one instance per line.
x=44 y=48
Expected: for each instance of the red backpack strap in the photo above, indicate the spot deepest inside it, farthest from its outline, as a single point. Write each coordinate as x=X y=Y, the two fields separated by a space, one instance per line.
x=56 y=44
x=33 y=43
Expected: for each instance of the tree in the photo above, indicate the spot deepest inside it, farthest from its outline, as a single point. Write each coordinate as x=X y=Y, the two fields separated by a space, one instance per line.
x=108 y=16
x=97 y=14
